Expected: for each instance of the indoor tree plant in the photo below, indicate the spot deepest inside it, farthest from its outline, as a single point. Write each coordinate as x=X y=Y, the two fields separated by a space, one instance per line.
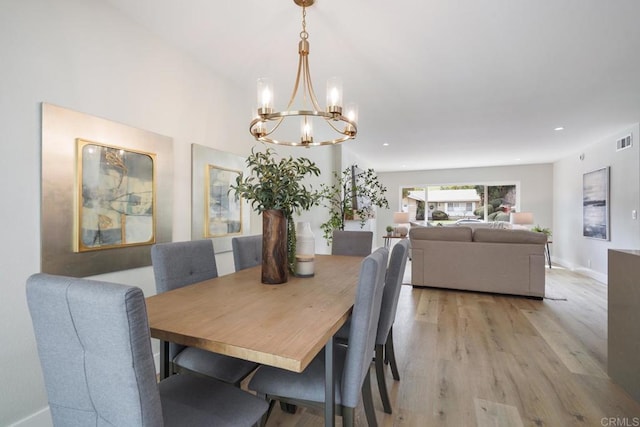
x=354 y=194
x=275 y=189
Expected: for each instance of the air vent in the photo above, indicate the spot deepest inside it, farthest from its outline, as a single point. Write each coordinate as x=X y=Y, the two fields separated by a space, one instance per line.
x=623 y=143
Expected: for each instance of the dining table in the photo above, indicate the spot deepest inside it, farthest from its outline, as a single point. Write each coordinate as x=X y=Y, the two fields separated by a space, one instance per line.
x=285 y=325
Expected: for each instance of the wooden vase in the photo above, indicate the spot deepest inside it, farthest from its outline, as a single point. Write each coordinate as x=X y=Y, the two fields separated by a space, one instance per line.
x=274 y=247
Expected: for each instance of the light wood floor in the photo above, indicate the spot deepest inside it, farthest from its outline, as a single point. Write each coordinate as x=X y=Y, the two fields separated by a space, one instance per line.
x=470 y=359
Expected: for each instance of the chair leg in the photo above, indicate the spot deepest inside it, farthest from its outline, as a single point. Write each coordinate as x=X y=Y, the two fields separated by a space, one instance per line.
x=367 y=400
x=348 y=417
x=263 y=421
x=289 y=408
x=391 y=355
x=382 y=382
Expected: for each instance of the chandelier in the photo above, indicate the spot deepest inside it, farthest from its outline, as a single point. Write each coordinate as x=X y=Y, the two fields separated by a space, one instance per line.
x=267 y=121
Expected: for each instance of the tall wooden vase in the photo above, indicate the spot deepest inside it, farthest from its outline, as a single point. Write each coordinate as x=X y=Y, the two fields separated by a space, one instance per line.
x=274 y=247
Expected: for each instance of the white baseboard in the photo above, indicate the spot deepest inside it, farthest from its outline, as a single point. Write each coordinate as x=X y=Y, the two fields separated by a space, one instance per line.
x=42 y=418
x=602 y=278
x=595 y=275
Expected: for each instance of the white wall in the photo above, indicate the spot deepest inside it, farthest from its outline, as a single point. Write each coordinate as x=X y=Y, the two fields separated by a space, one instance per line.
x=535 y=182
x=570 y=248
x=84 y=55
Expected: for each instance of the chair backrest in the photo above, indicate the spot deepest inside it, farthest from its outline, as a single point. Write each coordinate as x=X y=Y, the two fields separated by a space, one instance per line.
x=179 y=264
x=392 y=284
x=364 y=325
x=356 y=243
x=95 y=351
x=247 y=251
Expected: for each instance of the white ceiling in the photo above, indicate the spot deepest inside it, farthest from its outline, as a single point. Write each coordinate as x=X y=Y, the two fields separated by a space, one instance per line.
x=446 y=83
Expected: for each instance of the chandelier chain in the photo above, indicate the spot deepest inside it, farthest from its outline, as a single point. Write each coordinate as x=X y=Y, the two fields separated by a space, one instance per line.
x=303 y=34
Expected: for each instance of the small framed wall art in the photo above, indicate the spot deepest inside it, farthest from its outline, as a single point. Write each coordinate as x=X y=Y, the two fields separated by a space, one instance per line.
x=223 y=212
x=595 y=204
x=216 y=214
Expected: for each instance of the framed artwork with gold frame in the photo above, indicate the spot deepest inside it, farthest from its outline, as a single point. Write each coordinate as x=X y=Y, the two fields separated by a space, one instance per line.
x=223 y=212
x=215 y=213
x=61 y=196
x=115 y=204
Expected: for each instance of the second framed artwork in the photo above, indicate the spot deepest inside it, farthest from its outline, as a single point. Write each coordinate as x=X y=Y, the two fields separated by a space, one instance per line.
x=223 y=212
x=215 y=212
x=595 y=204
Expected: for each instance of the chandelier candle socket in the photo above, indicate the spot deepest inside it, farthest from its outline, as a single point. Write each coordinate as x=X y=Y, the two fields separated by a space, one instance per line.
x=268 y=120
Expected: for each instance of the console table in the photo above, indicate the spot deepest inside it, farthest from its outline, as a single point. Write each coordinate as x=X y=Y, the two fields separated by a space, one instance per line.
x=387 y=239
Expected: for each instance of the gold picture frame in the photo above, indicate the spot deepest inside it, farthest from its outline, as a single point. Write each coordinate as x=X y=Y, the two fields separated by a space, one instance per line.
x=115 y=203
x=203 y=160
x=223 y=212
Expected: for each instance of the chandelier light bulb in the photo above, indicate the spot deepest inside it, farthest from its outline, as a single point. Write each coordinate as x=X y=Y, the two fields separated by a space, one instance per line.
x=334 y=95
x=307 y=132
x=265 y=96
x=352 y=112
x=352 y=116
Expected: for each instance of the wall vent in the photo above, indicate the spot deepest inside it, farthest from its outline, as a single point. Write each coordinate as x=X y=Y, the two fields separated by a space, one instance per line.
x=623 y=143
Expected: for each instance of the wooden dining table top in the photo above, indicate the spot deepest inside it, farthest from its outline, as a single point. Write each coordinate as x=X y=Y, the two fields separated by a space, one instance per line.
x=283 y=325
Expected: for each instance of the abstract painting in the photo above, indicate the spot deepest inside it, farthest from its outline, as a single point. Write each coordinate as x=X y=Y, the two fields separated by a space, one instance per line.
x=595 y=204
x=224 y=211
x=107 y=193
x=215 y=213
x=115 y=197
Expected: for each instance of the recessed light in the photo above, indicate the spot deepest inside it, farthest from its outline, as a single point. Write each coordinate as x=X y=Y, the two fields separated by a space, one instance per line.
x=386 y=144
x=559 y=128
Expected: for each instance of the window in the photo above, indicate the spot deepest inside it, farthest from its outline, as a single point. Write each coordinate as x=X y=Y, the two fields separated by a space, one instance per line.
x=453 y=202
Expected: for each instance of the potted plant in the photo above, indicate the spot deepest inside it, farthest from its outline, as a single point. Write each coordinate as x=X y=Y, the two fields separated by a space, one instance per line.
x=389 y=230
x=354 y=194
x=540 y=229
x=275 y=189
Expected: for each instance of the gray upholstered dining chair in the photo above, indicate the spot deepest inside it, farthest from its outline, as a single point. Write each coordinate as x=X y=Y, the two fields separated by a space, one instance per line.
x=247 y=251
x=384 y=351
x=179 y=264
x=356 y=243
x=95 y=351
x=352 y=363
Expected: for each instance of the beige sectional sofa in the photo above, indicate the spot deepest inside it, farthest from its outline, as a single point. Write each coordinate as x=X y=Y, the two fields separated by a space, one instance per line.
x=481 y=259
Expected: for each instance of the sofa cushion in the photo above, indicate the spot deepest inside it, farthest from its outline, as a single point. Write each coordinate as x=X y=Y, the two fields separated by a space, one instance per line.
x=451 y=234
x=508 y=236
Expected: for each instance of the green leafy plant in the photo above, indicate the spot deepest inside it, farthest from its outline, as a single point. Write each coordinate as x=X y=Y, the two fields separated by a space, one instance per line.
x=389 y=229
x=539 y=229
x=354 y=194
x=277 y=183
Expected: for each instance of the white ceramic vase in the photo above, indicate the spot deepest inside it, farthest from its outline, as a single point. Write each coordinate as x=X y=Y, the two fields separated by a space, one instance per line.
x=305 y=250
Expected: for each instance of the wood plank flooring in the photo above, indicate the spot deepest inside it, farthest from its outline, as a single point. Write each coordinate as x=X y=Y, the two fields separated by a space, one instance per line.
x=471 y=359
